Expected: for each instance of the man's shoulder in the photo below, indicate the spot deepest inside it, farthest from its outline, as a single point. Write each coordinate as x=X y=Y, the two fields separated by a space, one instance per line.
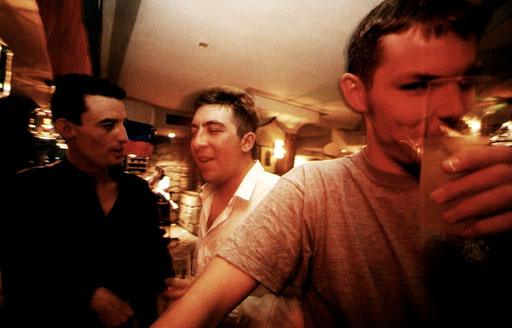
x=270 y=178
x=31 y=181
x=324 y=167
x=44 y=171
x=133 y=180
x=321 y=174
x=265 y=183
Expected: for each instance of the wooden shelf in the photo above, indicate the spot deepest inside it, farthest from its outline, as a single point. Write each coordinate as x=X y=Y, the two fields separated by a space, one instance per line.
x=137 y=165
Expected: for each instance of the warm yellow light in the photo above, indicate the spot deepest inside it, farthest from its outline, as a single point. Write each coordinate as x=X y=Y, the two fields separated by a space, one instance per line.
x=299 y=160
x=62 y=145
x=41 y=124
x=171 y=135
x=279 y=150
x=474 y=125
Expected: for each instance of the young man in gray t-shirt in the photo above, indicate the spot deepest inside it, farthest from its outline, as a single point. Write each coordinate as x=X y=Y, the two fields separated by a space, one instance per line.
x=344 y=230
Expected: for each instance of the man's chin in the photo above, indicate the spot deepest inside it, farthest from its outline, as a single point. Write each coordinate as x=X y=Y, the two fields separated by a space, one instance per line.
x=116 y=170
x=210 y=178
x=409 y=158
x=116 y=163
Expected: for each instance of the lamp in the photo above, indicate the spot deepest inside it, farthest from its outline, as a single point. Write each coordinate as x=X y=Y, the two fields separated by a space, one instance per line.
x=6 y=55
x=41 y=125
x=279 y=150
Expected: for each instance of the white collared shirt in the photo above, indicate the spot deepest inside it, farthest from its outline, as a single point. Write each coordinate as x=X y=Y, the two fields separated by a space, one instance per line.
x=254 y=187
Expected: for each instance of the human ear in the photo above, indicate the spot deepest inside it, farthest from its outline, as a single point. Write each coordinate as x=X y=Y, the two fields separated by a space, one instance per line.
x=64 y=128
x=248 y=141
x=354 y=91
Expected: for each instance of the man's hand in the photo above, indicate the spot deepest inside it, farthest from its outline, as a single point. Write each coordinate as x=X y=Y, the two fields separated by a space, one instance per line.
x=112 y=311
x=487 y=189
x=176 y=288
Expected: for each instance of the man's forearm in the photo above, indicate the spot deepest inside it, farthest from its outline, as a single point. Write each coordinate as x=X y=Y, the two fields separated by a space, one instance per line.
x=210 y=298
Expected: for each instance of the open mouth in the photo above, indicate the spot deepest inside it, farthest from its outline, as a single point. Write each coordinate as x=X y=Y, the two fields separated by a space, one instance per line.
x=117 y=152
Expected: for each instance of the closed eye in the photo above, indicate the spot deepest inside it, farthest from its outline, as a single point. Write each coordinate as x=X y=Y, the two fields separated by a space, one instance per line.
x=215 y=127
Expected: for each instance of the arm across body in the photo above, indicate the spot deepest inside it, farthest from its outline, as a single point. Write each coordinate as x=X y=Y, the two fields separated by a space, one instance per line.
x=210 y=298
x=274 y=225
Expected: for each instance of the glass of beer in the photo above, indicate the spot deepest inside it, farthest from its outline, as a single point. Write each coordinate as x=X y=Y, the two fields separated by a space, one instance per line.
x=462 y=113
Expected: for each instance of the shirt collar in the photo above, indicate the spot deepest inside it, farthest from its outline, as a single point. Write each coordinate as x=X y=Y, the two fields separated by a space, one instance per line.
x=245 y=189
x=248 y=184
x=72 y=170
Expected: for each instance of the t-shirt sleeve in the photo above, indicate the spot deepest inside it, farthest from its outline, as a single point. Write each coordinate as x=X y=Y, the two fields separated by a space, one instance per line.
x=268 y=246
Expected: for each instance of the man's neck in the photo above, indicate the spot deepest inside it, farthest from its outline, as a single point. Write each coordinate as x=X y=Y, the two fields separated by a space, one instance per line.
x=224 y=192
x=383 y=162
x=106 y=187
x=228 y=189
x=99 y=175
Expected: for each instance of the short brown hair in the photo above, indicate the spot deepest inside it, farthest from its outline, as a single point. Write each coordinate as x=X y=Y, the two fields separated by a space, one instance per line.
x=465 y=18
x=244 y=111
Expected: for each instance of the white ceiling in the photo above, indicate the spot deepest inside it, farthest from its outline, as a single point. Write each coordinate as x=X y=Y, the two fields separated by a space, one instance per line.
x=288 y=53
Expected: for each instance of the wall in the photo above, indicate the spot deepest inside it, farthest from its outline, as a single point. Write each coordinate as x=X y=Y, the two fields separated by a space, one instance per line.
x=174 y=156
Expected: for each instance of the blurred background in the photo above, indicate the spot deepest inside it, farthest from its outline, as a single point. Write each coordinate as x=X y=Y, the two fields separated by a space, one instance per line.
x=289 y=54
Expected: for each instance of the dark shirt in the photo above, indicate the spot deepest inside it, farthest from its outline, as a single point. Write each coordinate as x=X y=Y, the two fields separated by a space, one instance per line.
x=60 y=247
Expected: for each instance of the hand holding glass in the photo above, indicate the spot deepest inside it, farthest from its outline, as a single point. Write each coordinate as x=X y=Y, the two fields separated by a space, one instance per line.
x=462 y=114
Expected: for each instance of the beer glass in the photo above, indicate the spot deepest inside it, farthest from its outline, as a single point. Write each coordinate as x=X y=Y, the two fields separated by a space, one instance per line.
x=462 y=113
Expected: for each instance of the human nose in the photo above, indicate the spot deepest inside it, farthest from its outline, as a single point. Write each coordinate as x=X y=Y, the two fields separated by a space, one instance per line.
x=449 y=100
x=199 y=139
x=122 y=135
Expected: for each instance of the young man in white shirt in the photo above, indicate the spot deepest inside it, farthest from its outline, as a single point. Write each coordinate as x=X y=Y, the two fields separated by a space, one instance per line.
x=223 y=139
x=222 y=143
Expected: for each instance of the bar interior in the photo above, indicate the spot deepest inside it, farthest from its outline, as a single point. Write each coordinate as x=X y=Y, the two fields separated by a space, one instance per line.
x=288 y=55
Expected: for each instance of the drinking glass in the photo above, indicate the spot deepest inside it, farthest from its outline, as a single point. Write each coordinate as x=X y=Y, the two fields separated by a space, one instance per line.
x=181 y=262
x=463 y=113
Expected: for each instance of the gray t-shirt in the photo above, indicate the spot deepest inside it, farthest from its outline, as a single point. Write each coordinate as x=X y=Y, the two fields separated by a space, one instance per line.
x=346 y=234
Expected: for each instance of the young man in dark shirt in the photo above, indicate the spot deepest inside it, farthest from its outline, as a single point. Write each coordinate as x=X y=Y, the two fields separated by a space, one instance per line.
x=85 y=247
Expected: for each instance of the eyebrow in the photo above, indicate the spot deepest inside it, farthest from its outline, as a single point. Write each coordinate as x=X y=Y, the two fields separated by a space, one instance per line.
x=421 y=77
x=474 y=70
x=428 y=78
x=209 y=123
